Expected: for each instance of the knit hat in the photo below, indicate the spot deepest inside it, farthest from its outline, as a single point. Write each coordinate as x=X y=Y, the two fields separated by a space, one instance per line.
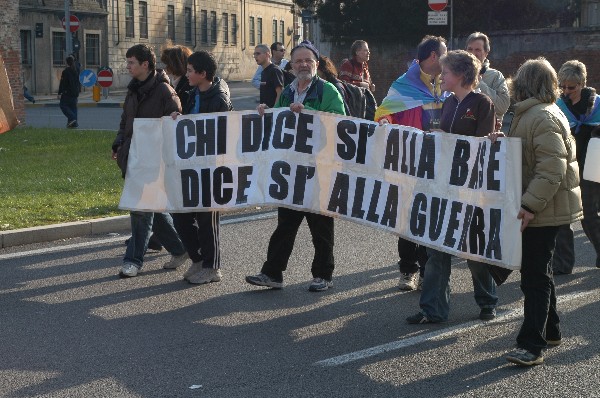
x=306 y=44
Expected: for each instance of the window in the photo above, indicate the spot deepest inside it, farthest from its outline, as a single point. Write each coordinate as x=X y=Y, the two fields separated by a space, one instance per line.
x=92 y=50
x=129 y=26
x=59 y=50
x=143 y=19
x=203 y=27
x=26 y=47
x=251 y=27
x=213 y=27
x=259 y=30
x=282 y=32
x=188 y=24
x=274 y=31
x=225 y=19
x=171 y=22
x=233 y=29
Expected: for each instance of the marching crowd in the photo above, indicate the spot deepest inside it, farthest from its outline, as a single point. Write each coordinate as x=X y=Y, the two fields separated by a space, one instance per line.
x=458 y=92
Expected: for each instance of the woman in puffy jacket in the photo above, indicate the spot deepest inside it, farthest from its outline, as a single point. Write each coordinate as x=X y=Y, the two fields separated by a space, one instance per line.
x=551 y=198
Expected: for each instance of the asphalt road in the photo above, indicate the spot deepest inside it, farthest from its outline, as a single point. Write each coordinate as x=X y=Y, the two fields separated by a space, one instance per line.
x=71 y=328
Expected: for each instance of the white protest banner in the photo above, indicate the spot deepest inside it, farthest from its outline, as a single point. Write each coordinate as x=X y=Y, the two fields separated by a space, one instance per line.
x=455 y=193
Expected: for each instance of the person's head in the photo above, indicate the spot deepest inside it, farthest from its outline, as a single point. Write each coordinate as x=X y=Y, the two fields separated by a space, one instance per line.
x=478 y=44
x=326 y=69
x=536 y=78
x=360 y=51
x=70 y=61
x=141 y=61
x=429 y=52
x=201 y=68
x=459 y=69
x=277 y=52
x=175 y=60
x=305 y=57
x=262 y=55
x=572 y=78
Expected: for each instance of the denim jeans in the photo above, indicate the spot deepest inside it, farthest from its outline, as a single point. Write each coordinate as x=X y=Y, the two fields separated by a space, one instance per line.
x=540 y=319
x=141 y=229
x=68 y=106
x=435 y=297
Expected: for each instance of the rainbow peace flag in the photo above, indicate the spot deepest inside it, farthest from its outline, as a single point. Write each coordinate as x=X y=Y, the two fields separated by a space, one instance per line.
x=407 y=92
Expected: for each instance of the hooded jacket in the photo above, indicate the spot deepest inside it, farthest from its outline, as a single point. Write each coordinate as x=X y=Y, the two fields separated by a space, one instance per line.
x=550 y=172
x=152 y=98
x=215 y=99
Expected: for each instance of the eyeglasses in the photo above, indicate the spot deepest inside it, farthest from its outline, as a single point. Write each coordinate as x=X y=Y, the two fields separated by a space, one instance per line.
x=570 y=88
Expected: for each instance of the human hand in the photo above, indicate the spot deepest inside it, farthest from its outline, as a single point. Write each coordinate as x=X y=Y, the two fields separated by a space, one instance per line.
x=525 y=217
x=495 y=135
x=383 y=121
x=296 y=107
x=261 y=109
x=174 y=115
x=114 y=155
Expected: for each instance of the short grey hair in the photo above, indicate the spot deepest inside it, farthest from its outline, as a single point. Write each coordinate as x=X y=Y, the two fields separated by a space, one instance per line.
x=573 y=71
x=536 y=78
x=480 y=36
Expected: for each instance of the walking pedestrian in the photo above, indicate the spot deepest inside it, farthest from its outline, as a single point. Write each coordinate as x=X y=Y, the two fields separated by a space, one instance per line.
x=68 y=92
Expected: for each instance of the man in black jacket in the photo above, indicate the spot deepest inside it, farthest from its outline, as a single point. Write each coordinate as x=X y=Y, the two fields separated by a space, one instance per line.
x=149 y=95
x=199 y=231
x=68 y=92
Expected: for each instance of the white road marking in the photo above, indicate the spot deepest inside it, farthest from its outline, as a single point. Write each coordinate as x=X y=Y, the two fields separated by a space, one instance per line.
x=436 y=335
x=225 y=221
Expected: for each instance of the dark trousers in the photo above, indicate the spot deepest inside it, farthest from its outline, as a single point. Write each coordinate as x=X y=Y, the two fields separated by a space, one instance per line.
x=412 y=257
x=282 y=243
x=68 y=106
x=563 y=259
x=590 y=199
x=540 y=319
x=199 y=233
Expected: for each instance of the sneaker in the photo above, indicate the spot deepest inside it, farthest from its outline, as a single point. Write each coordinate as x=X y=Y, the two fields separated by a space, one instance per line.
x=264 y=280
x=176 y=261
x=194 y=269
x=408 y=281
x=72 y=124
x=319 y=285
x=487 y=314
x=417 y=319
x=420 y=283
x=129 y=270
x=521 y=356
x=206 y=275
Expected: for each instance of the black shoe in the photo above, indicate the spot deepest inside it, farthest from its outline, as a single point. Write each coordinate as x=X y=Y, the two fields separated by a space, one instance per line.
x=154 y=243
x=597 y=262
x=72 y=124
x=418 y=318
x=487 y=314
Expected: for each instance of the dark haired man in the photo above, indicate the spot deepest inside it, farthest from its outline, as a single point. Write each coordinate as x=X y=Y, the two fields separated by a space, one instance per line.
x=271 y=78
x=420 y=88
x=149 y=95
x=199 y=231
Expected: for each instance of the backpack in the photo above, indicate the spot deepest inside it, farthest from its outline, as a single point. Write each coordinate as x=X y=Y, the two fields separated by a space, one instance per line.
x=360 y=101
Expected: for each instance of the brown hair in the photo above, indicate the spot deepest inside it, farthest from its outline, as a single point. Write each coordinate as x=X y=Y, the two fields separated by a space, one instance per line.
x=327 y=68
x=175 y=59
x=536 y=78
x=462 y=63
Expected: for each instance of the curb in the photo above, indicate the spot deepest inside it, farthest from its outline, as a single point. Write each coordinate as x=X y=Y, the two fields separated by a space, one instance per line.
x=48 y=233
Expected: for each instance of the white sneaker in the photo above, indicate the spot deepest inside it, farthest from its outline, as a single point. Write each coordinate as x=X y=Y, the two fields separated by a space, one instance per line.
x=194 y=269
x=176 y=261
x=129 y=270
x=206 y=275
x=408 y=281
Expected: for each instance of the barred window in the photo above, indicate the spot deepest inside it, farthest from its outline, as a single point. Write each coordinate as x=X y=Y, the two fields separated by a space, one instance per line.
x=59 y=48
x=171 y=22
x=225 y=20
x=213 y=27
x=274 y=31
x=252 y=37
x=188 y=24
x=259 y=30
x=233 y=29
x=129 y=25
x=143 y=19
x=203 y=27
x=92 y=50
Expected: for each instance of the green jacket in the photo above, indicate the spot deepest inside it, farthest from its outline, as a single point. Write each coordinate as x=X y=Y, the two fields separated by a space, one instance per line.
x=321 y=96
x=550 y=171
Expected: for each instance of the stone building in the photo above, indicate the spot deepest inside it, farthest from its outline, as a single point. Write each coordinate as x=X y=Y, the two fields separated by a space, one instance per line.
x=107 y=28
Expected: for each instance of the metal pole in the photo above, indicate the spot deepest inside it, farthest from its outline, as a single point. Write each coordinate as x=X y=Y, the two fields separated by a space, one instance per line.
x=68 y=35
x=451 y=24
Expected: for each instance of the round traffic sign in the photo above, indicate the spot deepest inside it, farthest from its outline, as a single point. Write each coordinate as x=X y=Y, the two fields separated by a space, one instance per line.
x=437 y=5
x=73 y=23
x=105 y=78
x=87 y=78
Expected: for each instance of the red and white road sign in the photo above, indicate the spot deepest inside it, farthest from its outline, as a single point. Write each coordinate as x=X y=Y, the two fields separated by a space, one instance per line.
x=105 y=78
x=437 y=5
x=73 y=22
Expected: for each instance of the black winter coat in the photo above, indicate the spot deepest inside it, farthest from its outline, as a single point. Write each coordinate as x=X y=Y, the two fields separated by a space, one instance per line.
x=215 y=99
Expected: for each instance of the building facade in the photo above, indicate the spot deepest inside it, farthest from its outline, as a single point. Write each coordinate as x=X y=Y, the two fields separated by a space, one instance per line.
x=107 y=28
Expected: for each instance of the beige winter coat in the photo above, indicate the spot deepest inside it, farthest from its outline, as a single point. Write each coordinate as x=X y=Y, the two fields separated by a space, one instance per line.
x=550 y=170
